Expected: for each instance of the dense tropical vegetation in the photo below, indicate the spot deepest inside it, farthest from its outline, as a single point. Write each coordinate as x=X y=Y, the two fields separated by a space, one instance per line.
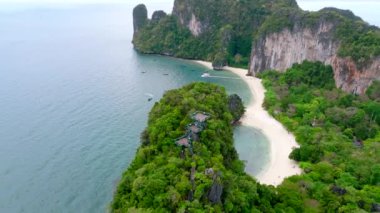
x=227 y=39
x=230 y=27
x=358 y=40
x=339 y=137
x=338 y=132
x=165 y=177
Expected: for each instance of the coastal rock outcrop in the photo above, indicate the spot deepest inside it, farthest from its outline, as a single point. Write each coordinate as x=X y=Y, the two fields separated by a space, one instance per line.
x=280 y=50
x=158 y=15
x=184 y=10
x=140 y=17
x=349 y=77
x=236 y=107
x=264 y=35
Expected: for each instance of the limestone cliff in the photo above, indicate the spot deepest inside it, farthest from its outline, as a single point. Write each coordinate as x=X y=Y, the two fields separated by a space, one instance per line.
x=353 y=79
x=262 y=35
x=316 y=42
x=184 y=10
x=200 y=16
x=140 y=17
x=281 y=50
x=158 y=15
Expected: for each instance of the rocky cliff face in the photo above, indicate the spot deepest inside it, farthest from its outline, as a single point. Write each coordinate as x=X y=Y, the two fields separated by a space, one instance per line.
x=158 y=15
x=140 y=17
x=353 y=79
x=222 y=32
x=184 y=10
x=280 y=50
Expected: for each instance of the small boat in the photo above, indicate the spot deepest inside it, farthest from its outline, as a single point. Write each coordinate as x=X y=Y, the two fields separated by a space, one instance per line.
x=205 y=75
x=150 y=96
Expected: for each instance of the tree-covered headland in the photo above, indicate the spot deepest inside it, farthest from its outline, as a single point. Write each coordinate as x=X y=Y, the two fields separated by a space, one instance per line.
x=339 y=150
x=208 y=176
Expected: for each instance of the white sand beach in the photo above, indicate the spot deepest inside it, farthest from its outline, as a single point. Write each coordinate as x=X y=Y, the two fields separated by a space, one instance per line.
x=281 y=141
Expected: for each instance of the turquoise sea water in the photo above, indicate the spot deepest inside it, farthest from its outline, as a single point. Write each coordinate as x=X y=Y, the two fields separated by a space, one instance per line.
x=253 y=148
x=73 y=104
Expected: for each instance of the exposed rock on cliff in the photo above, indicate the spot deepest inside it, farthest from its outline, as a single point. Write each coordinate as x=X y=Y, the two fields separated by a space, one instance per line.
x=281 y=50
x=158 y=15
x=188 y=19
x=200 y=16
x=219 y=31
x=236 y=107
x=140 y=17
x=184 y=10
x=353 y=79
x=313 y=40
x=262 y=35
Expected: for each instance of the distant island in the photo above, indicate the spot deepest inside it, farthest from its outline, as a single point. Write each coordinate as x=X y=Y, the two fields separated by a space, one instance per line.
x=327 y=95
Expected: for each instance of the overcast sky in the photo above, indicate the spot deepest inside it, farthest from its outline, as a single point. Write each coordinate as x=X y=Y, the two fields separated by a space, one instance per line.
x=84 y=1
x=325 y=2
x=367 y=9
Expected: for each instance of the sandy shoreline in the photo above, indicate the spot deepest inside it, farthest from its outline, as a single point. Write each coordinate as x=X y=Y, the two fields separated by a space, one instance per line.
x=281 y=141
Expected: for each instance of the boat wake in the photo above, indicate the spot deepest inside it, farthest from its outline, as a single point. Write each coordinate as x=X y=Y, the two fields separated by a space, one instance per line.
x=207 y=75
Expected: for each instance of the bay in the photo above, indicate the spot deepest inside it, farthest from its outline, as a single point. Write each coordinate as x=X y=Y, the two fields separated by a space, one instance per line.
x=73 y=104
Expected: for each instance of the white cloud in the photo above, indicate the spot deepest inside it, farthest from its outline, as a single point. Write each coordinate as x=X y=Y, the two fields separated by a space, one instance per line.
x=367 y=9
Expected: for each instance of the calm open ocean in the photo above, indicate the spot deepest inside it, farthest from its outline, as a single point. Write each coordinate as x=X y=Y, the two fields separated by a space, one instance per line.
x=73 y=104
